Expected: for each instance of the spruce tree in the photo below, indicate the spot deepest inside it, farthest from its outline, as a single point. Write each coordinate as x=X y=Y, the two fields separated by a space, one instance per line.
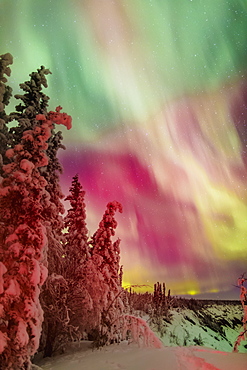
x=23 y=249
x=75 y=261
x=28 y=212
x=76 y=246
x=34 y=102
x=106 y=254
x=54 y=291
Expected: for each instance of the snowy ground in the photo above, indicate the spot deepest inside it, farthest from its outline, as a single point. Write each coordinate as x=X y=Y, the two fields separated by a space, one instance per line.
x=129 y=357
x=215 y=327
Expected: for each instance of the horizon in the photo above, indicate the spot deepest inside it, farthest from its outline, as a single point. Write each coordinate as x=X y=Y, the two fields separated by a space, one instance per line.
x=228 y=295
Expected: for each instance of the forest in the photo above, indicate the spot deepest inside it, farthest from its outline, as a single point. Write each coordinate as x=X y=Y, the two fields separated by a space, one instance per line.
x=57 y=284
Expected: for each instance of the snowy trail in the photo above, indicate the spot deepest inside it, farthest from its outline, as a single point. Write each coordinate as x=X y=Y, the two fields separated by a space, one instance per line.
x=130 y=357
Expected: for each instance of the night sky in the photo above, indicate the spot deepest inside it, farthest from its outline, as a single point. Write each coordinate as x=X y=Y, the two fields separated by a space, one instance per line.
x=157 y=90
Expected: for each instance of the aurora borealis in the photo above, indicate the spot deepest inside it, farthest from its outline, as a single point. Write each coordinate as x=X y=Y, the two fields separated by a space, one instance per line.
x=158 y=92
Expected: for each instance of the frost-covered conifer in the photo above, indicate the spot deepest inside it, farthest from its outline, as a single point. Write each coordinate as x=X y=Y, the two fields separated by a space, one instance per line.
x=75 y=261
x=107 y=256
x=53 y=213
x=33 y=103
x=76 y=245
x=24 y=201
x=23 y=245
x=54 y=291
x=102 y=242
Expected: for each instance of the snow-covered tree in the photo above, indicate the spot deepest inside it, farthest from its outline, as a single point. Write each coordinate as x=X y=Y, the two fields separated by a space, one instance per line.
x=54 y=291
x=35 y=102
x=106 y=255
x=76 y=238
x=24 y=244
x=102 y=244
x=88 y=288
x=75 y=259
x=53 y=213
x=54 y=294
x=24 y=201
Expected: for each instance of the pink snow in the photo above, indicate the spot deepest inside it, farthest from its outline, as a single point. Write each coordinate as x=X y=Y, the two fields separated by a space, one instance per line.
x=13 y=288
x=15 y=249
x=8 y=168
x=26 y=165
x=60 y=118
x=30 y=309
x=3 y=341
x=20 y=176
x=43 y=274
x=4 y=191
x=10 y=153
x=22 y=337
x=35 y=275
x=11 y=238
x=3 y=269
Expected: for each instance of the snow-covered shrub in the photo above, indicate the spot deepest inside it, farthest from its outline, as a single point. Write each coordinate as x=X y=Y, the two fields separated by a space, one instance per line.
x=139 y=332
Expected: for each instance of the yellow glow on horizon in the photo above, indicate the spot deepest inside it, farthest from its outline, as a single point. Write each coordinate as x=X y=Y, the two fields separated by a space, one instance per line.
x=192 y=292
x=214 y=291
